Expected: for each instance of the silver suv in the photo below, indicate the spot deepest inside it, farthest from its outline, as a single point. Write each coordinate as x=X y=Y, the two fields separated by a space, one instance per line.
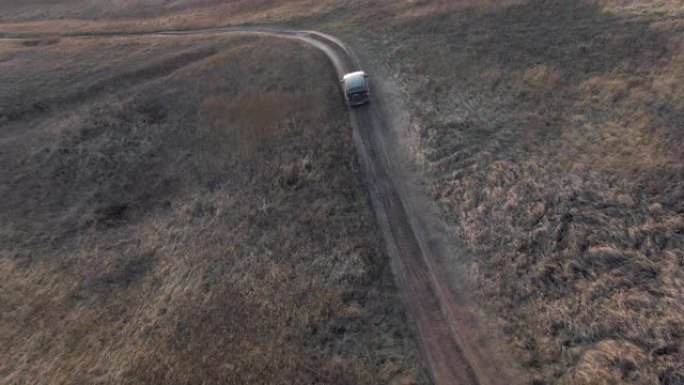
x=356 y=90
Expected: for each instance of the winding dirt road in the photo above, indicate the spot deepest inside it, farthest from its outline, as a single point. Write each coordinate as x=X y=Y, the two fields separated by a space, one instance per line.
x=454 y=345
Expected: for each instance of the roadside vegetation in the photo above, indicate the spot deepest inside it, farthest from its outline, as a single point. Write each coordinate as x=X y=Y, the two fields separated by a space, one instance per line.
x=550 y=134
x=187 y=210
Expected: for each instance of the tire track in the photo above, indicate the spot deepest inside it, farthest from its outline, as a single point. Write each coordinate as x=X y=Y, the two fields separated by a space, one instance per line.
x=455 y=350
x=118 y=82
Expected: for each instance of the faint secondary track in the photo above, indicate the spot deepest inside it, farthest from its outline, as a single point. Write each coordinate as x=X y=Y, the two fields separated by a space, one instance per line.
x=453 y=345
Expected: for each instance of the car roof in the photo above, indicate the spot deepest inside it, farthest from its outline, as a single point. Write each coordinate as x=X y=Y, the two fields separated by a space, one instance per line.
x=356 y=82
x=354 y=74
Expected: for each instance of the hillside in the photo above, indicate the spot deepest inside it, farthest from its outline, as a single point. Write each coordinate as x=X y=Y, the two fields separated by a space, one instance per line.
x=172 y=214
x=549 y=135
x=552 y=136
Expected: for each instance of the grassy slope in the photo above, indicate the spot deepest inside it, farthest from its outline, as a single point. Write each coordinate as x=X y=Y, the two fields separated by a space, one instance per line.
x=552 y=134
x=187 y=221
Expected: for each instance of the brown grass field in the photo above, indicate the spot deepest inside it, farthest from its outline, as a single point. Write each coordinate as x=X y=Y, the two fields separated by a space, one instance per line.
x=172 y=214
x=553 y=135
x=550 y=132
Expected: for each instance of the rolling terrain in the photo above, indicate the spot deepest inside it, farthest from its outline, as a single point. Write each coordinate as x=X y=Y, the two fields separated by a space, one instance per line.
x=175 y=215
x=546 y=134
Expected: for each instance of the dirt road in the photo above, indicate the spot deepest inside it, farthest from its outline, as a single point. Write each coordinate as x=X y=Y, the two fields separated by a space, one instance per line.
x=454 y=345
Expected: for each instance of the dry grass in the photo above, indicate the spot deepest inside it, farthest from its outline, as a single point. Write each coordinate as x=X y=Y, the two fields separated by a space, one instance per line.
x=552 y=134
x=136 y=15
x=199 y=224
x=80 y=69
